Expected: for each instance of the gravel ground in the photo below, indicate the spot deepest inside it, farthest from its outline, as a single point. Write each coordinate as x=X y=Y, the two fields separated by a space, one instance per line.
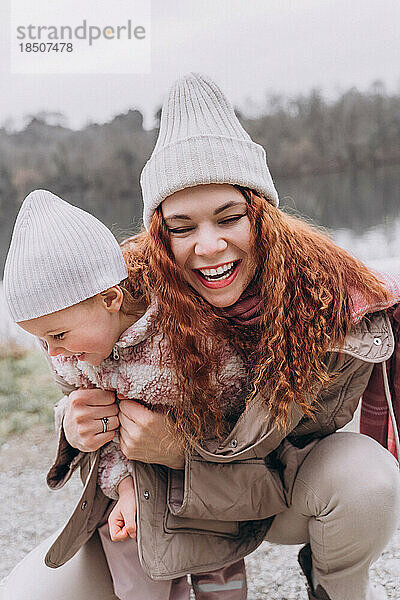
x=31 y=512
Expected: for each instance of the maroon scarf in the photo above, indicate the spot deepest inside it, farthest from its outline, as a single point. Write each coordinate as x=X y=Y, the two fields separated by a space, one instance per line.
x=246 y=310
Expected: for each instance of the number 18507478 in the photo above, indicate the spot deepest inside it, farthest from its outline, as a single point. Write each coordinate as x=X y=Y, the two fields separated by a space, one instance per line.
x=46 y=47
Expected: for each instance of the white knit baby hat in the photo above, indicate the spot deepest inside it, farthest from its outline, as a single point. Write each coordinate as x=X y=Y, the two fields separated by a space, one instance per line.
x=59 y=255
x=201 y=141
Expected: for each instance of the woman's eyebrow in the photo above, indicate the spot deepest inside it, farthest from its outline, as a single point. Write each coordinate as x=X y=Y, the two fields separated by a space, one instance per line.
x=217 y=211
x=230 y=204
x=182 y=217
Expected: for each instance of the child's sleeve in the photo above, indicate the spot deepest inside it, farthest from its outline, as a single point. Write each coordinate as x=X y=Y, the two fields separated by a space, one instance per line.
x=67 y=458
x=113 y=468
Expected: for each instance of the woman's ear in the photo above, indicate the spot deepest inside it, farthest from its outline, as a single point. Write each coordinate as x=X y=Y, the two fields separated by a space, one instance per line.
x=112 y=298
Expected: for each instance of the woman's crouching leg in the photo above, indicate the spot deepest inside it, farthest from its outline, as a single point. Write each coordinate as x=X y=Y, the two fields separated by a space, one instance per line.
x=84 y=577
x=348 y=492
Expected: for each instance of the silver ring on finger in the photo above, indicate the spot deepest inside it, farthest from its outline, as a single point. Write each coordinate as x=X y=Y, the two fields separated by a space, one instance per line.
x=104 y=420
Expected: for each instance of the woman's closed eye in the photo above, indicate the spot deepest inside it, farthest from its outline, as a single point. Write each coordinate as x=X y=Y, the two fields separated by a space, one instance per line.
x=178 y=230
x=227 y=221
x=232 y=219
x=59 y=336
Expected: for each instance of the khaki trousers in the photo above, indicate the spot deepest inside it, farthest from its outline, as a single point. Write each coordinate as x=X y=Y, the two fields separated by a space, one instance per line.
x=346 y=504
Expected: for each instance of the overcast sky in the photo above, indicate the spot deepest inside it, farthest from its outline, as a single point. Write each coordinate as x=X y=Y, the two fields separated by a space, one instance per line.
x=251 y=48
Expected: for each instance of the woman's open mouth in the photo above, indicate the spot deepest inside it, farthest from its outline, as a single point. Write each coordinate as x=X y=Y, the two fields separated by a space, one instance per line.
x=219 y=276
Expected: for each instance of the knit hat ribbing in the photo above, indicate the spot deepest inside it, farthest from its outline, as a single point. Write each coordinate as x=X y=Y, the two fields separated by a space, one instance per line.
x=59 y=255
x=201 y=141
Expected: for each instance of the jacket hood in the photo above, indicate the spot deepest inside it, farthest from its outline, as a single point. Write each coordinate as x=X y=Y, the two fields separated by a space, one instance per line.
x=362 y=307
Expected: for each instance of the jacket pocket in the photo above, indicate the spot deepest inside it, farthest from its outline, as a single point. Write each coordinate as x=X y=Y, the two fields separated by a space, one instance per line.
x=173 y=524
x=238 y=491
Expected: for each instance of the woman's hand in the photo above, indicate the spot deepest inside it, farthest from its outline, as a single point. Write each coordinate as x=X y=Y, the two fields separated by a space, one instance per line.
x=144 y=435
x=82 y=420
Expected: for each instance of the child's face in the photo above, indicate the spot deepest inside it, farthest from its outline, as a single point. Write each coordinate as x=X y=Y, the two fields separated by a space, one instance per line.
x=89 y=329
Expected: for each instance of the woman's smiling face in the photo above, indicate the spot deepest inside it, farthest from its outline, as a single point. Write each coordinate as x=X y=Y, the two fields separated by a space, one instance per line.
x=210 y=238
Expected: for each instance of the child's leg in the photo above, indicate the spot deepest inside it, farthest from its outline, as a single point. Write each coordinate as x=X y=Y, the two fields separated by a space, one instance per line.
x=228 y=583
x=130 y=581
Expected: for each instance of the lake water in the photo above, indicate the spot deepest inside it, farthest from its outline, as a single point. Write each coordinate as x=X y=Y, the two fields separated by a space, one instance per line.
x=361 y=210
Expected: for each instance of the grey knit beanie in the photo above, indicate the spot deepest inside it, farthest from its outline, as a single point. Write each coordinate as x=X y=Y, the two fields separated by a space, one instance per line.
x=59 y=255
x=201 y=141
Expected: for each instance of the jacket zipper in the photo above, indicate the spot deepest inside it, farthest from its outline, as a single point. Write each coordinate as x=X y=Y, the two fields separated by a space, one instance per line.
x=115 y=353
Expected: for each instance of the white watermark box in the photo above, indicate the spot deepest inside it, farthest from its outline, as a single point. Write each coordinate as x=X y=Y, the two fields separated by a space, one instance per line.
x=80 y=36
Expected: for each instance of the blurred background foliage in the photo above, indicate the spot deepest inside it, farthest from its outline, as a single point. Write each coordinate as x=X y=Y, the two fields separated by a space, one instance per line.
x=102 y=163
x=27 y=392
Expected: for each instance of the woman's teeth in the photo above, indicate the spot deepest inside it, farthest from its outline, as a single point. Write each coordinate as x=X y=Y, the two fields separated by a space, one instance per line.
x=219 y=273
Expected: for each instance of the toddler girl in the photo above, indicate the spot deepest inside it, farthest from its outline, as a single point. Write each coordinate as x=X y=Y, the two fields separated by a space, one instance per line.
x=62 y=284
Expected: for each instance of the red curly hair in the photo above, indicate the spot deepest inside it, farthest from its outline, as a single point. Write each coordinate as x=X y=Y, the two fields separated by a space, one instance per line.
x=305 y=283
x=199 y=409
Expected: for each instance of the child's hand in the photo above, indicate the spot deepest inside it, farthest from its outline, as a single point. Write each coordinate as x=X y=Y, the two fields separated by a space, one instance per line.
x=122 y=519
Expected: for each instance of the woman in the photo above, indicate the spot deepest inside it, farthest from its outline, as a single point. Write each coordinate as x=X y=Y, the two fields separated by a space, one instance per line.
x=224 y=258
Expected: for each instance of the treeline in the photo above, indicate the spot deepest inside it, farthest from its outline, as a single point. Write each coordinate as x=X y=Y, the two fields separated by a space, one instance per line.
x=100 y=165
x=310 y=135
